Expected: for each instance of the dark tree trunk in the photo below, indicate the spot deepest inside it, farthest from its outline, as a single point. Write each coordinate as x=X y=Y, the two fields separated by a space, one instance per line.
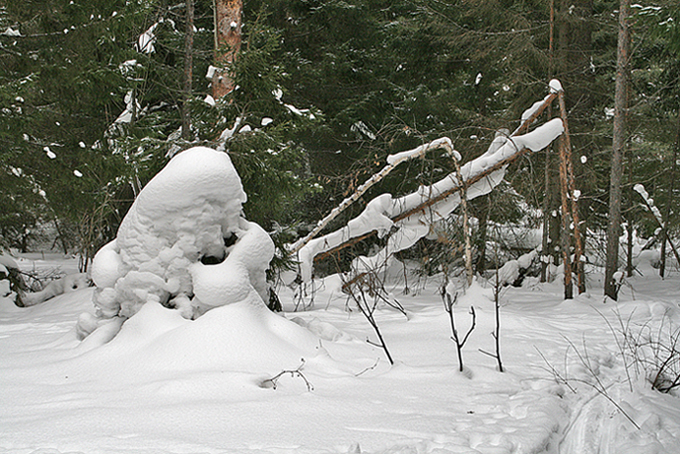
x=629 y=217
x=618 y=146
x=549 y=199
x=565 y=236
x=188 y=70
x=669 y=200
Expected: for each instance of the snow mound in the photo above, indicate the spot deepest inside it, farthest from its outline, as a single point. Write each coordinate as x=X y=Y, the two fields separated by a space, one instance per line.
x=245 y=337
x=183 y=244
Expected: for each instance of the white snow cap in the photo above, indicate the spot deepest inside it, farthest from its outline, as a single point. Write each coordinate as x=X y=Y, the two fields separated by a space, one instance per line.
x=640 y=189
x=11 y=32
x=211 y=71
x=147 y=39
x=50 y=154
x=187 y=214
x=555 y=86
x=478 y=79
x=444 y=142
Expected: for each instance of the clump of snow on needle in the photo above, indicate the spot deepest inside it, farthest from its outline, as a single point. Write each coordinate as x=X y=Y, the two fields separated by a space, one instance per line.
x=183 y=245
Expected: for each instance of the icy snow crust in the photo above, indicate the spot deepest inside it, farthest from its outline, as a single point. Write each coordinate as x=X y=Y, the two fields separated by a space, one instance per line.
x=185 y=213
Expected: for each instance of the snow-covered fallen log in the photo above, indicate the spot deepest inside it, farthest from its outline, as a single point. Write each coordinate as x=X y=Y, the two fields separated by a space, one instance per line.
x=411 y=216
x=392 y=162
x=66 y=284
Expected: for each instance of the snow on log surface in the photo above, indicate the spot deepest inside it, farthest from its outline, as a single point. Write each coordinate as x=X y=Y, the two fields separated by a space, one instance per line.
x=413 y=214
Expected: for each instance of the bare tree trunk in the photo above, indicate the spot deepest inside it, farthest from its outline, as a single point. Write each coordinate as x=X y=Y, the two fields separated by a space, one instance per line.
x=466 y=223
x=566 y=218
x=188 y=70
x=547 y=201
x=565 y=237
x=669 y=199
x=483 y=217
x=227 y=43
x=573 y=197
x=629 y=220
x=618 y=145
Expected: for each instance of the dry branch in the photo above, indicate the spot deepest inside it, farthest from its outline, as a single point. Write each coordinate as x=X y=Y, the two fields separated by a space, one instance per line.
x=420 y=151
x=458 y=186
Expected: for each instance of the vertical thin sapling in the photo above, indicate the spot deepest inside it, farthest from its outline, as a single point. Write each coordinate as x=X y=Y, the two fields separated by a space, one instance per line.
x=449 y=302
x=356 y=291
x=496 y=333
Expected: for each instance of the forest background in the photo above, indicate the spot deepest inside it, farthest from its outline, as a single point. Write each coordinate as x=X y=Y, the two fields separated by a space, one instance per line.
x=96 y=96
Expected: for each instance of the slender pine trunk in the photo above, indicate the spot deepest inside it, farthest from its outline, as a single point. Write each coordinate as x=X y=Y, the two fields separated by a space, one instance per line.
x=618 y=146
x=188 y=70
x=669 y=200
x=227 y=43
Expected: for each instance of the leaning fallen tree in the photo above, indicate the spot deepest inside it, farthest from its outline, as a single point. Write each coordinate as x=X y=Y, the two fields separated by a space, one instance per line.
x=407 y=219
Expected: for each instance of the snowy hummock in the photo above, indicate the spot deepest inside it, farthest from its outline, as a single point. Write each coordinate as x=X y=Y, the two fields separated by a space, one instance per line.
x=380 y=211
x=65 y=284
x=510 y=271
x=8 y=261
x=188 y=212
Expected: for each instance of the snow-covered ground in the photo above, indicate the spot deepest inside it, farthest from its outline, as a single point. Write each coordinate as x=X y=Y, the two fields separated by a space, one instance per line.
x=166 y=385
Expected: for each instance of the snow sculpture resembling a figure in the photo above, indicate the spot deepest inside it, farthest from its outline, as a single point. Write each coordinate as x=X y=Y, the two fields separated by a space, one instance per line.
x=183 y=244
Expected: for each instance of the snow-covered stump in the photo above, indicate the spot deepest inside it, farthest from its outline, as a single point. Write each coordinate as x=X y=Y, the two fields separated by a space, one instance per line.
x=183 y=244
x=11 y=282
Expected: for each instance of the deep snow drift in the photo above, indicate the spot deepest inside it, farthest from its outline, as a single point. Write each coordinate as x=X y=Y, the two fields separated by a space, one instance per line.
x=183 y=244
x=166 y=384
x=200 y=365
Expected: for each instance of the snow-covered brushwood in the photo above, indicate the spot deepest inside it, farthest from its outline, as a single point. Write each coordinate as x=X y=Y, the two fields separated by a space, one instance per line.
x=649 y=204
x=11 y=283
x=510 y=271
x=182 y=244
x=392 y=162
x=413 y=214
x=66 y=284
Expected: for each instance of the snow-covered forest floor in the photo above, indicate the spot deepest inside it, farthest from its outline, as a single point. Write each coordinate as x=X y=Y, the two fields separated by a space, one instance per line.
x=169 y=385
